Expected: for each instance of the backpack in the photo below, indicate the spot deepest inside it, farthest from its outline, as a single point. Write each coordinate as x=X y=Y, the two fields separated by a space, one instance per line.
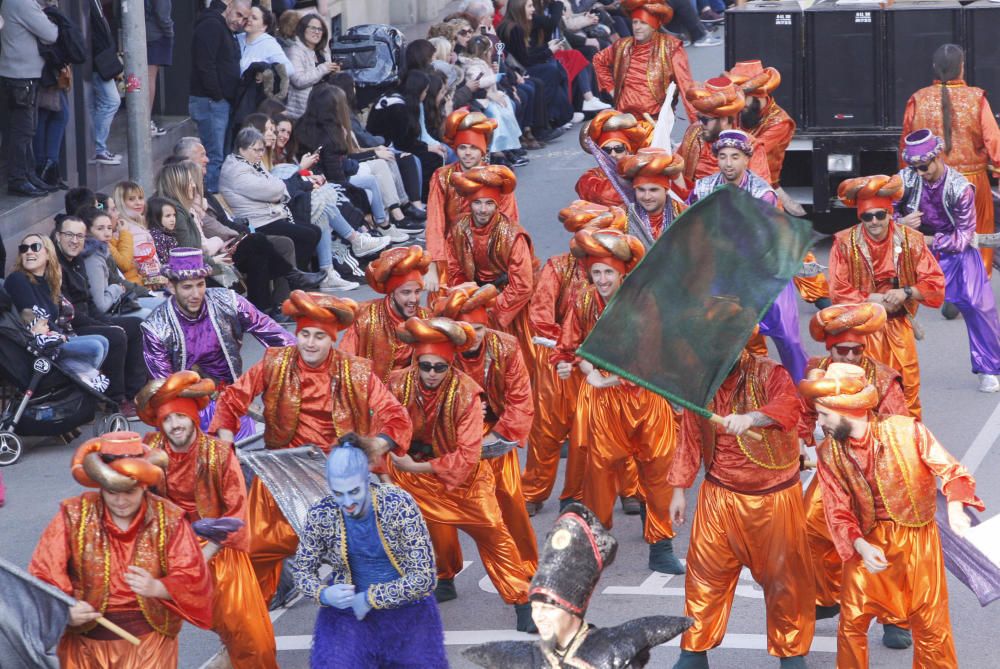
x=371 y=53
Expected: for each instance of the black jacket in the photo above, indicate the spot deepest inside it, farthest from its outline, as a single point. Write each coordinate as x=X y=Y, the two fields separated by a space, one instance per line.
x=391 y=119
x=68 y=49
x=101 y=35
x=76 y=289
x=215 y=62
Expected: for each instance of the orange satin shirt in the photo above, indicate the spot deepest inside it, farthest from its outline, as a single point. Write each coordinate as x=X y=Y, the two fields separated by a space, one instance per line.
x=634 y=95
x=561 y=280
x=508 y=389
x=775 y=132
x=372 y=335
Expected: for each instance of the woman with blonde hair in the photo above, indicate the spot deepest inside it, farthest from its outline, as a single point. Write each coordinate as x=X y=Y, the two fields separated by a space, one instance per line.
x=180 y=185
x=130 y=201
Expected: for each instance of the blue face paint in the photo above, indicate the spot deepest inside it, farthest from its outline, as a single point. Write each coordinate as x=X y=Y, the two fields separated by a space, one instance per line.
x=351 y=494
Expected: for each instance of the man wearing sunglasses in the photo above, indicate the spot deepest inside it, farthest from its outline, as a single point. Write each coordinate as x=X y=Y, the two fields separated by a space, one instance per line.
x=883 y=262
x=617 y=135
x=940 y=203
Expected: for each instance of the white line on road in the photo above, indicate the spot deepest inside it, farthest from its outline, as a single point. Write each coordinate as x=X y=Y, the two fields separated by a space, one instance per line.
x=983 y=442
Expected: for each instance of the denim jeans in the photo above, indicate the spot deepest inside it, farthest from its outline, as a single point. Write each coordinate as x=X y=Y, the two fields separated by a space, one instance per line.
x=83 y=354
x=50 y=132
x=338 y=223
x=105 y=103
x=212 y=117
x=370 y=184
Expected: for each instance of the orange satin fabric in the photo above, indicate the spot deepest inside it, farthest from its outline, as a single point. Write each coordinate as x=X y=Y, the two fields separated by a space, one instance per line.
x=895 y=345
x=814 y=287
x=984 y=214
x=700 y=162
x=388 y=353
x=272 y=538
x=765 y=533
x=594 y=186
x=154 y=650
x=827 y=565
x=913 y=587
x=775 y=132
x=555 y=409
x=634 y=96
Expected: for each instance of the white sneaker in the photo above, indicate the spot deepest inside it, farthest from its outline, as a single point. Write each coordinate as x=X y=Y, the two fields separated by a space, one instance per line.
x=333 y=281
x=707 y=40
x=393 y=233
x=577 y=118
x=155 y=130
x=365 y=245
x=595 y=104
x=988 y=383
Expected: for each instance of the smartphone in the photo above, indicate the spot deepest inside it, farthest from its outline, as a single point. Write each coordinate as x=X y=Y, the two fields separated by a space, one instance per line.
x=482 y=30
x=318 y=149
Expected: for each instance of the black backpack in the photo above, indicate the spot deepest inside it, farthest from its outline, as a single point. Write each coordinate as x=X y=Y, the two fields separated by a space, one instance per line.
x=371 y=53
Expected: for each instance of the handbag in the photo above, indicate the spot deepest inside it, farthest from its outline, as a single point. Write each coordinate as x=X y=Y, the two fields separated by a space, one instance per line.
x=107 y=64
x=126 y=304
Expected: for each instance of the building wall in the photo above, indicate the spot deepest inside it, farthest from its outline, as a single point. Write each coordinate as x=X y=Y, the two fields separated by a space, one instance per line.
x=395 y=12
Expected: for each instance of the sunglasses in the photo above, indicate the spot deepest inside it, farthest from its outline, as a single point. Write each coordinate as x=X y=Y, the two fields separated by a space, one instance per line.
x=704 y=120
x=465 y=31
x=616 y=148
x=922 y=168
x=870 y=216
x=436 y=367
x=34 y=247
x=848 y=350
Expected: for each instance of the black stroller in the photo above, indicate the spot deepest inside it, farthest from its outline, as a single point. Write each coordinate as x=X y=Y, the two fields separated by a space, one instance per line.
x=37 y=398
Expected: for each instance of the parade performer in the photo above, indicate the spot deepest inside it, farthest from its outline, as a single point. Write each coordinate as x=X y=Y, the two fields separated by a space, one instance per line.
x=204 y=479
x=749 y=513
x=961 y=115
x=496 y=364
x=878 y=476
x=469 y=134
x=638 y=70
x=312 y=394
x=126 y=554
x=202 y=328
x=652 y=173
x=880 y=261
x=377 y=607
x=443 y=470
x=940 y=203
x=489 y=247
x=717 y=105
x=618 y=135
x=399 y=275
x=623 y=421
x=577 y=550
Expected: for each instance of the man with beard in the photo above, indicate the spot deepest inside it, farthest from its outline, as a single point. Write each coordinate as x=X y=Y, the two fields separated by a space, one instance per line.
x=376 y=607
x=618 y=135
x=878 y=477
x=443 y=470
x=204 y=479
x=651 y=173
x=576 y=551
x=399 y=275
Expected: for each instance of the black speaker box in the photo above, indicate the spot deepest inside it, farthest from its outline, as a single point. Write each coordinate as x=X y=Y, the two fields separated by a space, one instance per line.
x=982 y=49
x=845 y=66
x=914 y=30
x=772 y=32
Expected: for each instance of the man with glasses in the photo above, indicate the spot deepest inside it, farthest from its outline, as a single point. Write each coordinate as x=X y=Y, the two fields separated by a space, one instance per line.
x=880 y=261
x=618 y=135
x=940 y=203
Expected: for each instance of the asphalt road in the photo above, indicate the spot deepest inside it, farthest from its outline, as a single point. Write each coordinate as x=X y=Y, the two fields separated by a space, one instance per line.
x=965 y=421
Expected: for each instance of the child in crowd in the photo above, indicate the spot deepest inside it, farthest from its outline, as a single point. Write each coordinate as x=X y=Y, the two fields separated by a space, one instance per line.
x=130 y=201
x=477 y=64
x=82 y=361
x=162 y=220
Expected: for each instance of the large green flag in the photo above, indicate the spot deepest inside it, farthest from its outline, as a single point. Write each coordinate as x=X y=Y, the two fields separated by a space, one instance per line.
x=679 y=321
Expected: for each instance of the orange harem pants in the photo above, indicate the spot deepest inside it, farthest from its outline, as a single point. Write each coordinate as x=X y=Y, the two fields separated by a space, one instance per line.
x=765 y=533
x=154 y=650
x=272 y=538
x=913 y=587
x=814 y=287
x=239 y=614
x=895 y=345
x=507 y=474
x=473 y=509
x=627 y=423
x=984 y=213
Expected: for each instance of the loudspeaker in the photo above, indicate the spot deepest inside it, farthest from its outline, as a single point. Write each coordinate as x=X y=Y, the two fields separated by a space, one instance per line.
x=914 y=30
x=844 y=66
x=771 y=32
x=982 y=49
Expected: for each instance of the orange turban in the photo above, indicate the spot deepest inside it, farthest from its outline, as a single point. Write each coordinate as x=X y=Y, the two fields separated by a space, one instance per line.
x=718 y=98
x=182 y=392
x=874 y=192
x=610 y=125
x=394 y=267
x=753 y=78
x=651 y=166
x=436 y=336
x=847 y=323
x=469 y=127
x=653 y=13
x=117 y=462
x=842 y=388
x=610 y=247
x=581 y=214
x=467 y=302
x=489 y=181
x=318 y=310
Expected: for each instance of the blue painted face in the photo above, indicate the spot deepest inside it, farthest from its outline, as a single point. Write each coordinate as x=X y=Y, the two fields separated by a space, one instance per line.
x=351 y=494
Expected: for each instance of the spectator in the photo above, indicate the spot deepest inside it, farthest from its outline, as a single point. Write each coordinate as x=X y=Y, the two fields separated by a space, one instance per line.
x=159 y=49
x=179 y=184
x=121 y=246
x=81 y=361
x=130 y=201
x=287 y=24
x=310 y=56
x=108 y=288
x=77 y=198
x=463 y=32
x=497 y=104
x=283 y=146
x=25 y=28
x=418 y=55
x=105 y=99
x=162 y=220
x=258 y=45
x=215 y=77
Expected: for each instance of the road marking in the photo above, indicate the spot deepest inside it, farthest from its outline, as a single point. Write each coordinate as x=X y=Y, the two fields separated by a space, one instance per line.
x=983 y=442
x=655 y=585
x=274 y=618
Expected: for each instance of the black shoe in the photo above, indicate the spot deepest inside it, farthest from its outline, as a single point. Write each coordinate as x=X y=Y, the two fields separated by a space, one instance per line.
x=662 y=558
x=298 y=280
x=25 y=188
x=516 y=161
x=632 y=506
x=533 y=508
x=824 y=612
x=499 y=159
x=563 y=503
x=445 y=590
x=822 y=303
x=50 y=175
x=410 y=226
x=549 y=135
x=949 y=311
x=524 y=621
x=41 y=185
x=895 y=637
x=794 y=662
x=415 y=213
x=691 y=659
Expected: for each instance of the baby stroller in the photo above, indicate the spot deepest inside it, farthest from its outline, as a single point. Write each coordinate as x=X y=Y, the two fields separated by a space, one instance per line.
x=37 y=397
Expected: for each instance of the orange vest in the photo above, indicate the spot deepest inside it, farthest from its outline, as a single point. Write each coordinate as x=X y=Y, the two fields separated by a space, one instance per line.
x=503 y=234
x=454 y=397
x=208 y=484
x=968 y=152
x=853 y=246
x=500 y=348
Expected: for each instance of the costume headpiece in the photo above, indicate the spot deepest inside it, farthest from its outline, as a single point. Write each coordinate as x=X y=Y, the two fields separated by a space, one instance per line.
x=847 y=323
x=394 y=267
x=581 y=214
x=651 y=165
x=186 y=263
x=921 y=146
x=874 y=192
x=610 y=247
x=611 y=125
x=753 y=78
x=318 y=310
x=841 y=387
x=490 y=181
x=469 y=127
x=733 y=139
x=117 y=462
x=653 y=13
x=182 y=392
x=467 y=302
x=717 y=98
x=436 y=336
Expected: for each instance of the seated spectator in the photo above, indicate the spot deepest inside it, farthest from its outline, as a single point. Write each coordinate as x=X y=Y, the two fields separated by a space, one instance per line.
x=121 y=247
x=497 y=105
x=310 y=56
x=77 y=198
x=162 y=220
x=548 y=21
x=130 y=201
x=76 y=357
x=109 y=290
x=257 y=42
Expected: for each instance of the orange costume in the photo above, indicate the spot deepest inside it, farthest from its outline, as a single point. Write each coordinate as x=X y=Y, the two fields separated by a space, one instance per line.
x=372 y=335
x=975 y=141
x=610 y=127
x=206 y=482
x=638 y=75
x=881 y=489
x=461 y=493
x=658 y=167
x=306 y=405
x=860 y=266
x=749 y=511
x=84 y=553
